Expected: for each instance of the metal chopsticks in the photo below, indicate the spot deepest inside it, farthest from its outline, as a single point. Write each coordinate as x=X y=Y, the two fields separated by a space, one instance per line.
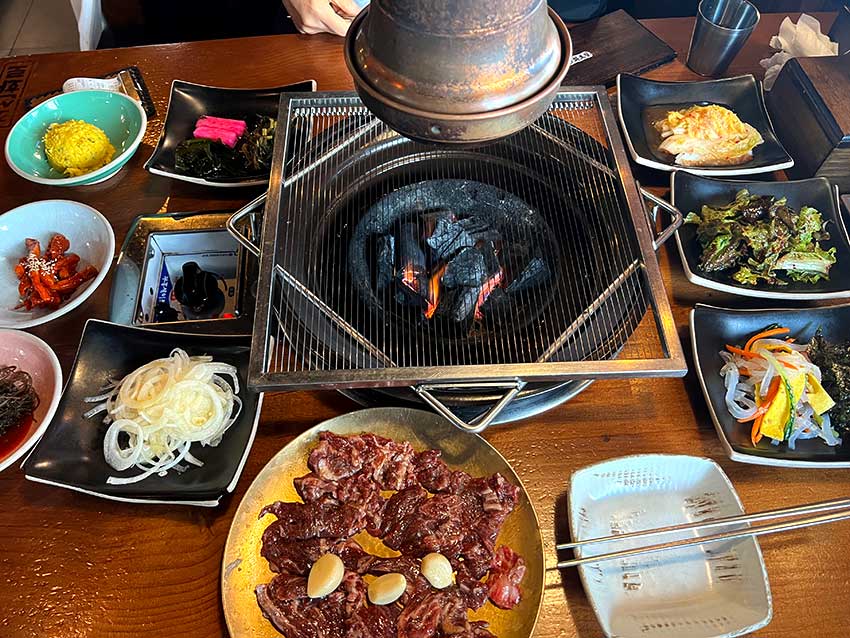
x=810 y=515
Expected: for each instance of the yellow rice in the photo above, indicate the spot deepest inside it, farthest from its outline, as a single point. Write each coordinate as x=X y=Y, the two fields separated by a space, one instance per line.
x=76 y=147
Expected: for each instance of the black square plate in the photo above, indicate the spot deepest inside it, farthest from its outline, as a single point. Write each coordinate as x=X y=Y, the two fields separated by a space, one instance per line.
x=689 y=193
x=712 y=328
x=641 y=101
x=70 y=454
x=188 y=102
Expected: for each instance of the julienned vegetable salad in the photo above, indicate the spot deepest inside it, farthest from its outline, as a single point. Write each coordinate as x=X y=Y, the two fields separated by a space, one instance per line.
x=772 y=385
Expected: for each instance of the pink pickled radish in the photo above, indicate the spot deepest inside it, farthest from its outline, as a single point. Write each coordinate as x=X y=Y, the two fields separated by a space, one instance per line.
x=228 y=138
x=237 y=126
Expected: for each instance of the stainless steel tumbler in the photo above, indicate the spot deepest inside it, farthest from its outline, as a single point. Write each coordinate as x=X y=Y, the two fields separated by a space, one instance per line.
x=721 y=29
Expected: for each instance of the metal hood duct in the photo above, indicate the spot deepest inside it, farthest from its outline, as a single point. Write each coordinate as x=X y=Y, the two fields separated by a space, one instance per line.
x=458 y=71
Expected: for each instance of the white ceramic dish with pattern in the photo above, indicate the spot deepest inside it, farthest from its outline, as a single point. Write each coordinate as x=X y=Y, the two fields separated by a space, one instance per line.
x=716 y=590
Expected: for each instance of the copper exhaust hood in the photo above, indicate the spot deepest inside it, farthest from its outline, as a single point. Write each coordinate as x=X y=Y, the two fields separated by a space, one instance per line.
x=458 y=71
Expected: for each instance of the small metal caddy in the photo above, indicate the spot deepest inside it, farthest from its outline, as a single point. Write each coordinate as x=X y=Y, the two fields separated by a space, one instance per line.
x=156 y=248
x=604 y=314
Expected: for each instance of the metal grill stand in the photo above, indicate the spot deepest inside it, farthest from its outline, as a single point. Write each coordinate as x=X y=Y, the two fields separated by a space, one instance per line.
x=603 y=314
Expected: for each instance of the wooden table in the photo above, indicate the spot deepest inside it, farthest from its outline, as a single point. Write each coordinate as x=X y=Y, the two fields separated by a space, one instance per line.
x=73 y=565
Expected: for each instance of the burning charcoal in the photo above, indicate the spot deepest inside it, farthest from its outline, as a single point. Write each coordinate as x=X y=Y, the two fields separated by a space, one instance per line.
x=412 y=267
x=434 y=292
x=491 y=259
x=496 y=302
x=493 y=283
x=479 y=229
x=463 y=304
x=466 y=269
x=534 y=274
x=448 y=238
x=430 y=221
x=386 y=261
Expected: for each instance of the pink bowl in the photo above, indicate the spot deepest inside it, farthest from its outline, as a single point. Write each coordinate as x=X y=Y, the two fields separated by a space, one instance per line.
x=31 y=354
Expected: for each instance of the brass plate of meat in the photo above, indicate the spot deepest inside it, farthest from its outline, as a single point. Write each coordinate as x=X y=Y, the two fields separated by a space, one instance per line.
x=243 y=568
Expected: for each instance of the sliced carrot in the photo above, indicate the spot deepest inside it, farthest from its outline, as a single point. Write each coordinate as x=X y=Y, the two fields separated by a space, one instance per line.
x=764 y=335
x=772 y=392
x=758 y=413
x=755 y=434
x=743 y=353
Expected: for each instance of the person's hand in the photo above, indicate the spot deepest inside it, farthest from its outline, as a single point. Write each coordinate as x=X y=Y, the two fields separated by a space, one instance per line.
x=322 y=16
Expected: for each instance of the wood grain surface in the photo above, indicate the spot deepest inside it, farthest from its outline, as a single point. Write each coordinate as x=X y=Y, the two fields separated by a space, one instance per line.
x=76 y=566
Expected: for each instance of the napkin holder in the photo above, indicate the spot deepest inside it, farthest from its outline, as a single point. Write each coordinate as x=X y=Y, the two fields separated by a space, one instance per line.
x=811 y=114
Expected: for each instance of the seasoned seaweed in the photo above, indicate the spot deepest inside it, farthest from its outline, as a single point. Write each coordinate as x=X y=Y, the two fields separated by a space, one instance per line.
x=252 y=155
x=833 y=359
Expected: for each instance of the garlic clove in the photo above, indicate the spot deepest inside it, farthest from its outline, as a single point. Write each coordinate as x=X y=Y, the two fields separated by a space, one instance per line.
x=437 y=569
x=387 y=589
x=325 y=576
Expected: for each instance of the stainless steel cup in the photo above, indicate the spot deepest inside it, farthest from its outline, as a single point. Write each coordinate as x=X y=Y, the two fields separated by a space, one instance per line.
x=721 y=29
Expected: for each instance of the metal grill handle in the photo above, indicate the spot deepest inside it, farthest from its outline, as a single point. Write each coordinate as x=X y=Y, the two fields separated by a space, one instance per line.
x=675 y=217
x=482 y=422
x=235 y=218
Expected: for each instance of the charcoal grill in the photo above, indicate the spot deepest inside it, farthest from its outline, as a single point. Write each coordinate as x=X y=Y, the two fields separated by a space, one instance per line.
x=321 y=322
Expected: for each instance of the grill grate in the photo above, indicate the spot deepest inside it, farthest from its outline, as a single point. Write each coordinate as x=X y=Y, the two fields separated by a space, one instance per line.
x=560 y=191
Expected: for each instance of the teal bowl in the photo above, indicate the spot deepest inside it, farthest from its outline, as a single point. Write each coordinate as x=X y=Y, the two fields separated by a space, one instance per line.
x=120 y=117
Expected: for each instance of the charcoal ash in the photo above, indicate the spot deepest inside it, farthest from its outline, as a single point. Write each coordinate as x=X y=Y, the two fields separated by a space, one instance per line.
x=431 y=219
x=535 y=274
x=448 y=238
x=479 y=229
x=385 y=256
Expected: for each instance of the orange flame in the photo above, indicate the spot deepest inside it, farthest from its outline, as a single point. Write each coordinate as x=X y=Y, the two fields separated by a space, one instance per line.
x=408 y=276
x=489 y=286
x=434 y=292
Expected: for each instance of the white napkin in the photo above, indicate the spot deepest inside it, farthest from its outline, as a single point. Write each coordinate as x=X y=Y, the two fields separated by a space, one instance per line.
x=801 y=40
x=90 y=22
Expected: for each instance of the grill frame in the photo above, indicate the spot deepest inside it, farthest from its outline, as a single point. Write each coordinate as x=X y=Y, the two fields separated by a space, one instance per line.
x=260 y=377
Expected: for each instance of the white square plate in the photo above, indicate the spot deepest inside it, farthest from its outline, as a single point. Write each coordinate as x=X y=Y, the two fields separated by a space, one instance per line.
x=716 y=590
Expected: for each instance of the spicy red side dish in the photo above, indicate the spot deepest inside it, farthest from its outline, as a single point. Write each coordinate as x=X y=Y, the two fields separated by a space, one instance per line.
x=49 y=278
x=433 y=509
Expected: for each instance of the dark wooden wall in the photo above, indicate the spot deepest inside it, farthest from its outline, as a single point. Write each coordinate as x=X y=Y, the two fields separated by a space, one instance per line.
x=137 y=22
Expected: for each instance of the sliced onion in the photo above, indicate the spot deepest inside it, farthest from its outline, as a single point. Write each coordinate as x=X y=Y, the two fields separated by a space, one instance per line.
x=163 y=408
x=118 y=458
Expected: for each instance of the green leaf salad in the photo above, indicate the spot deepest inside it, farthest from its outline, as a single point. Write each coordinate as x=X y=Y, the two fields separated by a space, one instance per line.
x=758 y=238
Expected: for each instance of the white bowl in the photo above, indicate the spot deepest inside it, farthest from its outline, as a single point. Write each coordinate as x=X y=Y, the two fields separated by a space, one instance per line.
x=715 y=590
x=32 y=355
x=91 y=238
